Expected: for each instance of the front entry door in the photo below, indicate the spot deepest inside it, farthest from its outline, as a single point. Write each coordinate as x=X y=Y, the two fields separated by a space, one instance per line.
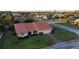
x=29 y=33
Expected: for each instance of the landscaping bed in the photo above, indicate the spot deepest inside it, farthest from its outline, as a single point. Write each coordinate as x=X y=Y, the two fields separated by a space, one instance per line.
x=64 y=35
x=11 y=41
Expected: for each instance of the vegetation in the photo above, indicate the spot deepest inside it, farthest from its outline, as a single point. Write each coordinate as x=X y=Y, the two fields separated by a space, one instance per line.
x=11 y=41
x=6 y=19
x=69 y=25
x=64 y=35
x=29 y=20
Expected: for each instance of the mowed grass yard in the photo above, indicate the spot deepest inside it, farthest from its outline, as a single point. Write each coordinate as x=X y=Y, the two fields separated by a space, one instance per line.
x=64 y=35
x=69 y=25
x=11 y=41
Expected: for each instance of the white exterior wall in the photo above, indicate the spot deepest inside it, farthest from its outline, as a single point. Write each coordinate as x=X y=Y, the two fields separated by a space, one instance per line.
x=45 y=31
x=26 y=34
x=20 y=35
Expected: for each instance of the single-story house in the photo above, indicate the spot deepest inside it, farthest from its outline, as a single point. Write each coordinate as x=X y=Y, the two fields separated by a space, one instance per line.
x=25 y=29
x=18 y=17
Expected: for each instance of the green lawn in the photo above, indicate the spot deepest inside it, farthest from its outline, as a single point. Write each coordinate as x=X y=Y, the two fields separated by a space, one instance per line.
x=69 y=25
x=11 y=41
x=64 y=35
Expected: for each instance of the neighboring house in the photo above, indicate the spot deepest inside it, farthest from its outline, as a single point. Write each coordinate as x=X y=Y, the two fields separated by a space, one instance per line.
x=18 y=17
x=25 y=29
x=76 y=22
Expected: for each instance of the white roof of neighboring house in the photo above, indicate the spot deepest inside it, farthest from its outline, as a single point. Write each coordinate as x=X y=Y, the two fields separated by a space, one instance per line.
x=16 y=14
x=77 y=20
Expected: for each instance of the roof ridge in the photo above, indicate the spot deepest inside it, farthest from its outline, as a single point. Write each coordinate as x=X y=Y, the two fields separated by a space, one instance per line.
x=35 y=26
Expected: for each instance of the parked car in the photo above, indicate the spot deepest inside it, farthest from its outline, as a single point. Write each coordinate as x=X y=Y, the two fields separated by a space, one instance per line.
x=0 y=35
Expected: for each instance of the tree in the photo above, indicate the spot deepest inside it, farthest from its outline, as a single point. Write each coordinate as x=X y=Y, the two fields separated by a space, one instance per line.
x=6 y=20
x=26 y=13
x=49 y=16
x=29 y=20
x=7 y=16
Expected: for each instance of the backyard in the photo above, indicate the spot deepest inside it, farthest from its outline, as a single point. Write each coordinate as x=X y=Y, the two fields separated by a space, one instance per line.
x=11 y=41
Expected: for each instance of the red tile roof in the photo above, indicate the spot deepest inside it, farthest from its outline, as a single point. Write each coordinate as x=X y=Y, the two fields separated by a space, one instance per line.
x=35 y=26
x=42 y=25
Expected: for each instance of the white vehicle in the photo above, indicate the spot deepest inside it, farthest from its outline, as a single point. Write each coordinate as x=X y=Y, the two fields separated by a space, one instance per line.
x=0 y=35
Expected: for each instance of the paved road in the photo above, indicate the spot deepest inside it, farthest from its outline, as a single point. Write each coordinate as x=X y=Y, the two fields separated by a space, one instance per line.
x=65 y=45
x=68 y=44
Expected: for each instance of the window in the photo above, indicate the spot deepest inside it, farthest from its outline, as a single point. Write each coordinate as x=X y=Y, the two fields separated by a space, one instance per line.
x=34 y=32
x=41 y=33
x=22 y=33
